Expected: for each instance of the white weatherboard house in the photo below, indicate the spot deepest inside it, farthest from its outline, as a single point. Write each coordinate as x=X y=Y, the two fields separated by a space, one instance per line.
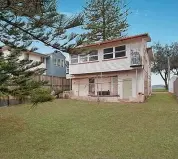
x=114 y=70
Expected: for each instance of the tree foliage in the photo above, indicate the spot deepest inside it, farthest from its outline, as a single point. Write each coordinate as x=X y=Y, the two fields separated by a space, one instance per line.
x=47 y=26
x=105 y=19
x=160 y=64
x=23 y=22
x=17 y=75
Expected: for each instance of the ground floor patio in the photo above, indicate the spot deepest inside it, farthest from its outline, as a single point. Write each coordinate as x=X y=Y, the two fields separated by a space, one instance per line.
x=110 y=86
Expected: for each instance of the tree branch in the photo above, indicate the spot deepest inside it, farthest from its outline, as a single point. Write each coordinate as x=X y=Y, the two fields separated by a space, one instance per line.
x=25 y=31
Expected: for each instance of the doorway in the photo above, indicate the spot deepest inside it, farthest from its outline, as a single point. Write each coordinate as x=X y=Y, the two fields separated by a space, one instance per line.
x=127 y=88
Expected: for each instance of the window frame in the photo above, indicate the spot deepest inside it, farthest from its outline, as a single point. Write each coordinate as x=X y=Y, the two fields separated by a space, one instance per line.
x=42 y=59
x=90 y=55
x=62 y=63
x=74 y=58
x=84 y=56
x=58 y=62
x=55 y=61
x=114 y=52
x=108 y=53
x=119 y=51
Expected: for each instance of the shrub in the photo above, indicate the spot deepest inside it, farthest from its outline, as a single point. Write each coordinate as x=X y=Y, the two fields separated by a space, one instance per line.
x=41 y=95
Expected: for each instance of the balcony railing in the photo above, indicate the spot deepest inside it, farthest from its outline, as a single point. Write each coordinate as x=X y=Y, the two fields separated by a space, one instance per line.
x=136 y=59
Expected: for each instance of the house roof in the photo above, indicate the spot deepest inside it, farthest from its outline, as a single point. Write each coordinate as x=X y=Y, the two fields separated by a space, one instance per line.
x=53 y=53
x=145 y=35
x=37 y=53
x=4 y=48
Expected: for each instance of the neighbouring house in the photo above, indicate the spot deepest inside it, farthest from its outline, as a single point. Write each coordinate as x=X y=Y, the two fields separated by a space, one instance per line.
x=113 y=70
x=67 y=67
x=56 y=64
x=28 y=55
x=171 y=84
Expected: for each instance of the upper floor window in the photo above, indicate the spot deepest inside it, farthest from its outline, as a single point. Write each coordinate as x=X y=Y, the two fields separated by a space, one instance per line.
x=62 y=63
x=120 y=51
x=108 y=53
x=26 y=56
x=42 y=59
x=55 y=62
x=74 y=59
x=59 y=62
x=67 y=70
x=83 y=58
x=93 y=56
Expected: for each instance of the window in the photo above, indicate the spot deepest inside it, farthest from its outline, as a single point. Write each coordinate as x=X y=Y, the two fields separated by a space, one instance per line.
x=59 y=62
x=120 y=51
x=42 y=59
x=55 y=62
x=83 y=58
x=62 y=63
x=26 y=56
x=108 y=53
x=74 y=59
x=67 y=70
x=93 y=56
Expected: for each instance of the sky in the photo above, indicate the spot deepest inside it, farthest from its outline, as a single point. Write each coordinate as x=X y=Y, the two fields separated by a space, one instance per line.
x=159 y=18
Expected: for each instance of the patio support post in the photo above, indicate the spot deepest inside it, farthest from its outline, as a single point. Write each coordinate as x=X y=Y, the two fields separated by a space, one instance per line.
x=97 y=90
x=101 y=83
x=136 y=73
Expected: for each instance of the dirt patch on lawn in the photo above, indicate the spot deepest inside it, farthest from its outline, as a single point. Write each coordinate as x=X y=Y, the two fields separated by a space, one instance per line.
x=11 y=124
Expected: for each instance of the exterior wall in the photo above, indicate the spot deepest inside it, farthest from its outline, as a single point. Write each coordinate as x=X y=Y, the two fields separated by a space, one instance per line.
x=107 y=65
x=146 y=71
x=52 y=69
x=171 y=84
x=80 y=85
x=34 y=57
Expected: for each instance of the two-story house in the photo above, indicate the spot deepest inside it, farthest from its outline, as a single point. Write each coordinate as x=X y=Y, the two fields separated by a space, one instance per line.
x=54 y=63
x=113 y=70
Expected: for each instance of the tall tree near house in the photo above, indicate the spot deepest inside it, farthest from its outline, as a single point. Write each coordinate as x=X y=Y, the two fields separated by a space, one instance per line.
x=160 y=64
x=105 y=19
x=17 y=76
x=45 y=25
x=20 y=26
x=174 y=58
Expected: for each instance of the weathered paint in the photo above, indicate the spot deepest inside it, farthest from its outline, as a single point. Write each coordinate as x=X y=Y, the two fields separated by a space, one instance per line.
x=80 y=86
x=102 y=65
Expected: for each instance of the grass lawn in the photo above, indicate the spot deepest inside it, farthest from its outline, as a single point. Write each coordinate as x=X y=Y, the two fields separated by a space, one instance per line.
x=159 y=90
x=68 y=129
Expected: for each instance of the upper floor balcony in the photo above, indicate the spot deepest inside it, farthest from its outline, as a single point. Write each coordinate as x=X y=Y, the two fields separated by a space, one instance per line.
x=117 y=58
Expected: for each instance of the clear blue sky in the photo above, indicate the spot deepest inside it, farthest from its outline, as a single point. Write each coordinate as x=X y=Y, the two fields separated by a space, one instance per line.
x=159 y=18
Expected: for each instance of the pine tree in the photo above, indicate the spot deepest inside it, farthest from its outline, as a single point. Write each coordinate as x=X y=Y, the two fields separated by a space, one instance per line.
x=105 y=19
x=46 y=25
x=20 y=26
x=17 y=76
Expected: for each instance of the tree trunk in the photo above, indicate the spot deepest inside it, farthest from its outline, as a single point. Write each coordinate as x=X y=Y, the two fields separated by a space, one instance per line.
x=166 y=84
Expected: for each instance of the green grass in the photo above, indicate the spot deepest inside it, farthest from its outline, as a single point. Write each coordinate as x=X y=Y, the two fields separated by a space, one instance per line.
x=68 y=129
x=159 y=90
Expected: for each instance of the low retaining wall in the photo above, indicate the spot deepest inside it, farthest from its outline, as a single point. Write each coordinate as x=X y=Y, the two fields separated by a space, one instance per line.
x=139 y=99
